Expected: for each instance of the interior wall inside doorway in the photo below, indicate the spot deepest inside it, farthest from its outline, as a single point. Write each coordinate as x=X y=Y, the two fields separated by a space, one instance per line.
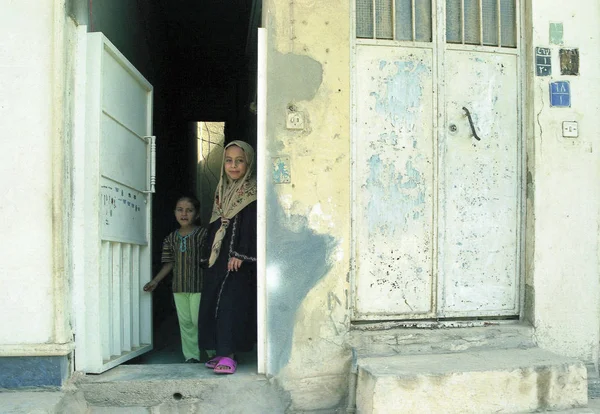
x=210 y=137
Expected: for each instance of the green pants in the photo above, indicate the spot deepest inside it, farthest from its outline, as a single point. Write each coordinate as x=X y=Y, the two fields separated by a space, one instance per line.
x=187 y=305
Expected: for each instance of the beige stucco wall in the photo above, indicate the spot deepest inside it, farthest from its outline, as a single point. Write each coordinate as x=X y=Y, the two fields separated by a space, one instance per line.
x=308 y=69
x=563 y=186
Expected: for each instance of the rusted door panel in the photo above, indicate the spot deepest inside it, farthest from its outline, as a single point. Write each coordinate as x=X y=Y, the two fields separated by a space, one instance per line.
x=479 y=187
x=394 y=156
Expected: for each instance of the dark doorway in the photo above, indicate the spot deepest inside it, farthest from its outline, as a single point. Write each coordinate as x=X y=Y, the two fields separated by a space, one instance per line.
x=203 y=58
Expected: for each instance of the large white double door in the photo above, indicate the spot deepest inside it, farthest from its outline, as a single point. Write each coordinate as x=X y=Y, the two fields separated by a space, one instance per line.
x=437 y=160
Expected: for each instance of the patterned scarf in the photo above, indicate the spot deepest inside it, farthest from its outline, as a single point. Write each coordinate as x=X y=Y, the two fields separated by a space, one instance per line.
x=231 y=197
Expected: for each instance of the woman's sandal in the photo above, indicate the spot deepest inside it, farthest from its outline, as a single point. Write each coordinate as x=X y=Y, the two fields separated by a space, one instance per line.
x=225 y=365
x=212 y=363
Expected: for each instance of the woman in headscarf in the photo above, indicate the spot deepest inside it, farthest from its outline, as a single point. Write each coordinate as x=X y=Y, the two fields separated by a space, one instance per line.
x=227 y=317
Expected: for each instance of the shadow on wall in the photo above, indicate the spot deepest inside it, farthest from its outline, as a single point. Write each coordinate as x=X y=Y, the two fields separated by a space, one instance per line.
x=297 y=258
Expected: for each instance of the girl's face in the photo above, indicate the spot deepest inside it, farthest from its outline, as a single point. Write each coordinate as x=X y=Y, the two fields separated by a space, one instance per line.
x=185 y=213
x=235 y=162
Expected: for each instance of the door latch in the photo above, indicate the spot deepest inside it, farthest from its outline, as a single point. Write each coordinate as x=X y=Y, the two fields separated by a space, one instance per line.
x=151 y=139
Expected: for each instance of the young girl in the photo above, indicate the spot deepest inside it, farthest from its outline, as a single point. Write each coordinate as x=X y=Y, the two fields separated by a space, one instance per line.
x=181 y=253
x=227 y=321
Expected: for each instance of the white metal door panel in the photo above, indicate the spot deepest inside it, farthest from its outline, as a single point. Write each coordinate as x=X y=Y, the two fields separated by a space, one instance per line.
x=479 y=190
x=114 y=320
x=393 y=183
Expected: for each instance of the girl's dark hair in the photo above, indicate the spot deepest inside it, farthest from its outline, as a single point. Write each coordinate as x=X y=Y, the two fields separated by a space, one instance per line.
x=194 y=202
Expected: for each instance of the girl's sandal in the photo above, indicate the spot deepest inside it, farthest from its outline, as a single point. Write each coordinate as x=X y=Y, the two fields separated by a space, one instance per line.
x=212 y=363
x=225 y=365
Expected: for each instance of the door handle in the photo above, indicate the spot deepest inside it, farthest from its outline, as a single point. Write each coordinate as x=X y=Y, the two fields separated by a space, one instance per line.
x=473 y=131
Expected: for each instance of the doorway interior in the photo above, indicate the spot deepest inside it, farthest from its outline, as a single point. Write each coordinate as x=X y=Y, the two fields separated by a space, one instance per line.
x=204 y=58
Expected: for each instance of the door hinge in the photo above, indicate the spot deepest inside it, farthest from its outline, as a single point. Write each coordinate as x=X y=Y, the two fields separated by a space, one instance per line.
x=151 y=164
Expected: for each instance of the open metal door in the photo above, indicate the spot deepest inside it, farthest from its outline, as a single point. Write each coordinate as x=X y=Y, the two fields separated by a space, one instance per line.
x=113 y=181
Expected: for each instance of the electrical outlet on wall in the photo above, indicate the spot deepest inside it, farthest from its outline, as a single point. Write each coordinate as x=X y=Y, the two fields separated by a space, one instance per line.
x=294 y=120
x=570 y=129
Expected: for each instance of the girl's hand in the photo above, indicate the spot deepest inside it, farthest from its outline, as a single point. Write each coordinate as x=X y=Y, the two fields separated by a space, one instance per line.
x=234 y=264
x=150 y=286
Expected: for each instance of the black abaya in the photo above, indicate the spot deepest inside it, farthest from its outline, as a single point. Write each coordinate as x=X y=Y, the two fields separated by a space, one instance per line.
x=227 y=316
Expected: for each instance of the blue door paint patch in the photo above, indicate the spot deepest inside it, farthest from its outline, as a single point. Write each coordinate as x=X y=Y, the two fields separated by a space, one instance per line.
x=281 y=170
x=560 y=94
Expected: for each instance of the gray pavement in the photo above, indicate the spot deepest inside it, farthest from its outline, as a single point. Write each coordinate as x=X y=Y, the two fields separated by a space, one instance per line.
x=30 y=402
x=50 y=402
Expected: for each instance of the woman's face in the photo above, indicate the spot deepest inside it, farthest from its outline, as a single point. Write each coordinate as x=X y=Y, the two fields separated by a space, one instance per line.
x=235 y=162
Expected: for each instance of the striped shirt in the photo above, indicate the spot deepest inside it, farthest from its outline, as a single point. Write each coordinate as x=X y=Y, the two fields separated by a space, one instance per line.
x=185 y=252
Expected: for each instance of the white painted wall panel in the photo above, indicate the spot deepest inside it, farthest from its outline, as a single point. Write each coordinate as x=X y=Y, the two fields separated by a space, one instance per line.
x=565 y=177
x=26 y=110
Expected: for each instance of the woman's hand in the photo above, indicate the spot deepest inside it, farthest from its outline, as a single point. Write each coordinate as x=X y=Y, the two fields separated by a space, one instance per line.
x=150 y=286
x=234 y=264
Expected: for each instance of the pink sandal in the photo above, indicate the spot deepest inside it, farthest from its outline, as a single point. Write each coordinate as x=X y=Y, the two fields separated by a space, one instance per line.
x=225 y=365
x=212 y=363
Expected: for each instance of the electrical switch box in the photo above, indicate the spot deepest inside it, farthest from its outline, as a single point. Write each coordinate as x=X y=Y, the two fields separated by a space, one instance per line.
x=570 y=129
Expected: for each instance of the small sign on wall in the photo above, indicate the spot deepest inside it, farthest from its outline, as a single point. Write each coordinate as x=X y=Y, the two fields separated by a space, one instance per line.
x=543 y=61
x=569 y=61
x=560 y=94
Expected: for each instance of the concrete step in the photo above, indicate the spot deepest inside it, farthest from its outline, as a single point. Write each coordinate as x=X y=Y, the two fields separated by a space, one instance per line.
x=593 y=407
x=388 y=339
x=173 y=388
x=490 y=381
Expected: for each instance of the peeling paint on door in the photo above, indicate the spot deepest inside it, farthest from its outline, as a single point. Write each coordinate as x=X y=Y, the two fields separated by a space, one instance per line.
x=394 y=165
x=479 y=187
x=473 y=199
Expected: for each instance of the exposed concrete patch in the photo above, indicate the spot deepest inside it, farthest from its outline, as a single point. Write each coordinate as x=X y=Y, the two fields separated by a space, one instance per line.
x=316 y=393
x=285 y=91
x=298 y=259
x=72 y=402
x=303 y=86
